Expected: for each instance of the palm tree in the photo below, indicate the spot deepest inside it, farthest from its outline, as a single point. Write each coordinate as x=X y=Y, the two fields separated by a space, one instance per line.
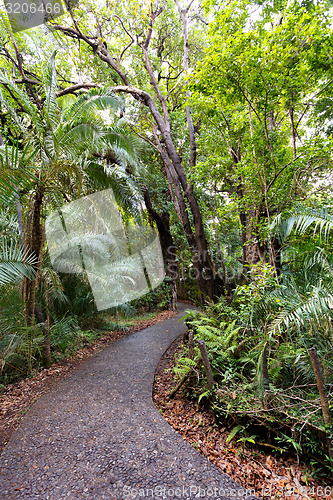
x=63 y=134
x=301 y=218
x=307 y=300
x=15 y=261
x=297 y=310
x=69 y=142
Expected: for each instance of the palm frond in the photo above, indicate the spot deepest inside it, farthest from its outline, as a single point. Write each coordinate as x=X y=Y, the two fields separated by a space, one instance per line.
x=92 y=101
x=9 y=224
x=301 y=312
x=52 y=109
x=25 y=102
x=14 y=172
x=14 y=262
x=302 y=218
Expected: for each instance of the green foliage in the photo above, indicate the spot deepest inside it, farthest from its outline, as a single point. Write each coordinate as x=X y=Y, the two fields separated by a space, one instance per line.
x=222 y=340
x=15 y=262
x=285 y=318
x=264 y=78
x=67 y=147
x=20 y=346
x=234 y=431
x=14 y=170
x=67 y=337
x=159 y=298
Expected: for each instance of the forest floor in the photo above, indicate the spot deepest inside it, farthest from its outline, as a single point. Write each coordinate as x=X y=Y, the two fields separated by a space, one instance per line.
x=17 y=398
x=98 y=435
x=269 y=476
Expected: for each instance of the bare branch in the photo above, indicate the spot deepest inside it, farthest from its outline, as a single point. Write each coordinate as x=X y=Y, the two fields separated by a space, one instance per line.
x=96 y=46
x=173 y=88
x=143 y=138
x=74 y=88
x=128 y=34
x=190 y=126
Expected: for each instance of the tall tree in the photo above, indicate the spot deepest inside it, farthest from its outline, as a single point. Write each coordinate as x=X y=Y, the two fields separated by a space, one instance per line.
x=255 y=91
x=62 y=134
x=148 y=50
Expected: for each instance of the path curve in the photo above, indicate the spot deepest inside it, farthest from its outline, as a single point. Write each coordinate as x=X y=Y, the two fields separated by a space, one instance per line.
x=98 y=435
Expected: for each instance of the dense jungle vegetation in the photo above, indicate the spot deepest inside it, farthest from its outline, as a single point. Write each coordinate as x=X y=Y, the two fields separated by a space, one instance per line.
x=217 y=119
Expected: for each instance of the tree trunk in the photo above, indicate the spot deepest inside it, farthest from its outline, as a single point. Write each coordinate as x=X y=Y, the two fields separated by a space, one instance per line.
x=47 y=336
x=47 y=345
x=253 y=252
x=265 y=375
x=168 y=247
x=275 y=255
x=209 y=282
x=35 y=241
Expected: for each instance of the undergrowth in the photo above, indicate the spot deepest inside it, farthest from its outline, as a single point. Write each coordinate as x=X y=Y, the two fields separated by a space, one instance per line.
x=282 y=413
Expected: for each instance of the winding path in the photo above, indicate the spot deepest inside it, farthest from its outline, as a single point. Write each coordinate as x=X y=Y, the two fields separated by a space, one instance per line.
x=98 y=435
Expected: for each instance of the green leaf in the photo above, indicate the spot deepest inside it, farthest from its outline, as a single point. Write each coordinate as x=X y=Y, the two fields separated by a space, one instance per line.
x=234 y=432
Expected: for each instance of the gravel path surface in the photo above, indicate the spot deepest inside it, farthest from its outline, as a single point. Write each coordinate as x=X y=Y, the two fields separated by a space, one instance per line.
x=98 y=435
